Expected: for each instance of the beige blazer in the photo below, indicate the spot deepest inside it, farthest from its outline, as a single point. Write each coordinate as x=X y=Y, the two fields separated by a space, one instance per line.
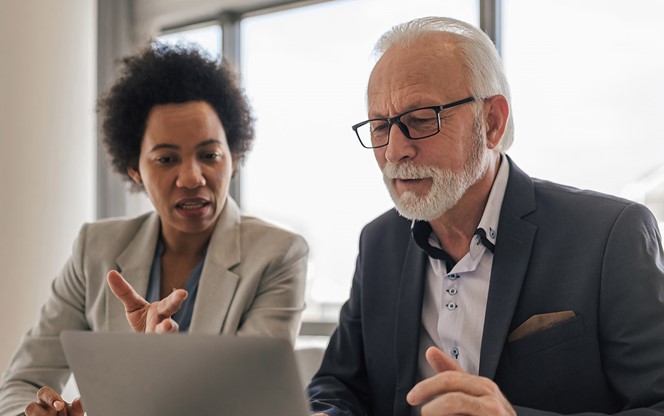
x=252 y=283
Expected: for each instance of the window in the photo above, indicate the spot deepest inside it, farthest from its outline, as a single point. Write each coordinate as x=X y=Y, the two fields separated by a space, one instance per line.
x=305 y=71
x=207 y=36
x=587 y=85
x=585 y=80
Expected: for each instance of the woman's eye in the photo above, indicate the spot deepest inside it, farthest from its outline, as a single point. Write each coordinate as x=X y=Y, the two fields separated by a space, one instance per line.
x=164 y=160
x=211 y=155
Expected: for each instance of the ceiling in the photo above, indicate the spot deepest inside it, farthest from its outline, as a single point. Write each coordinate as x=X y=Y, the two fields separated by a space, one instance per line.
x=154 y=15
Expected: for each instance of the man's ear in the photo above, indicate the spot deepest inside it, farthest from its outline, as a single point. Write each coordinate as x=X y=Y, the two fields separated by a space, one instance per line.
x=135 y=175
x=496 y=110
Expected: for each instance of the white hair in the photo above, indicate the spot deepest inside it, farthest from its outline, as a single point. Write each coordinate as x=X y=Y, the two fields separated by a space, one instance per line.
x=486 y=74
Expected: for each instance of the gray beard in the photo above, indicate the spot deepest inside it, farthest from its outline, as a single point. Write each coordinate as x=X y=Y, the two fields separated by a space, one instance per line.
x=447 y=186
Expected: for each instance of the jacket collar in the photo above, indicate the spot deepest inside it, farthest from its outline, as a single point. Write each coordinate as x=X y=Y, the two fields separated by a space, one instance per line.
x=216 y=286
x=511 y=257
x=510 y=262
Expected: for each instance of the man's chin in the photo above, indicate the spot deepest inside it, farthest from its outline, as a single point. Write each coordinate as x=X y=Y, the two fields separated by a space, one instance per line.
x=415 y=210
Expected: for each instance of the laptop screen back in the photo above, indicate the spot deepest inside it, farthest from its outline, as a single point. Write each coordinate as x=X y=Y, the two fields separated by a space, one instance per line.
x=178 y=374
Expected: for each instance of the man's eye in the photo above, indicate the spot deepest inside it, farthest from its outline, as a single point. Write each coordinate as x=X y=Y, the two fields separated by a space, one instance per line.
x=378 y=127
x=419 y=121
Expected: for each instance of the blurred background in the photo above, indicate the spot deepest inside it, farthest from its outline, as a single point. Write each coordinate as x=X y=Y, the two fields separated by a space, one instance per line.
x=587 y=92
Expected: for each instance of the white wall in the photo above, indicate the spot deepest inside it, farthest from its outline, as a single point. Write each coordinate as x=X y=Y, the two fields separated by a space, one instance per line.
x=47 y=149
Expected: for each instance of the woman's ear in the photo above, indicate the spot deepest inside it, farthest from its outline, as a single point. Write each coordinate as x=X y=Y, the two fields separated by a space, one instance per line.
x=234 y=166
x=496 y=114
x=135 y=175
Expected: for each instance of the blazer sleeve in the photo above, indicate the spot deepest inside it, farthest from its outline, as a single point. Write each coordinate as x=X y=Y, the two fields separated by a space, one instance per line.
x=632 y=310
x=39 y=360
x=340 y=387
x=631 y=327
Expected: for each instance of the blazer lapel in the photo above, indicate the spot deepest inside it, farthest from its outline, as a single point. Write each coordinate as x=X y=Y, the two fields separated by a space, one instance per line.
x=218 y=283
x=407 y=326
x=134 y=264
x=513 y=248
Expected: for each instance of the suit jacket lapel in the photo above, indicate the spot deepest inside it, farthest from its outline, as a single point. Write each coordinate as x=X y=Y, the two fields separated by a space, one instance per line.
x=407 y=326
x=510 y=262
x=134 y=264
x=218 y=283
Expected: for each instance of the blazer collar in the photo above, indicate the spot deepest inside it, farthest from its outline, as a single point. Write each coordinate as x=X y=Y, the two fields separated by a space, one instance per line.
x=408 y=323
x=134 y=264
x=510 y=262
x=217 y=283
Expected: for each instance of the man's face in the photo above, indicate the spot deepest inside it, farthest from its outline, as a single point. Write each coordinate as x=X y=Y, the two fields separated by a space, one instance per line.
x=427 y=177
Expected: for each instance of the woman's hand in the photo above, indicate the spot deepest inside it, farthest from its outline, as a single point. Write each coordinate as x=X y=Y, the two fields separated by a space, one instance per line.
x=50 y=403
x=142 y=315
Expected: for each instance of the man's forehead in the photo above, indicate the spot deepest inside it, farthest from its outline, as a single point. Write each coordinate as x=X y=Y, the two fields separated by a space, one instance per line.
x=419 y=74
x=431 y=55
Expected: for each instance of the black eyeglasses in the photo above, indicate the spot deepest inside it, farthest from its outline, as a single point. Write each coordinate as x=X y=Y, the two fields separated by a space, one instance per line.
x=416 y=124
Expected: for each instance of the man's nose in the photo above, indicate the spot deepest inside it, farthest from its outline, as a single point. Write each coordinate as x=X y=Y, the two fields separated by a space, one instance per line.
x=190 y=176
x=399 y=146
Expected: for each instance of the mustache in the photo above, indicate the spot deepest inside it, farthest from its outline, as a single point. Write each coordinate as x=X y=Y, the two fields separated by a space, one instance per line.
x=409 y=170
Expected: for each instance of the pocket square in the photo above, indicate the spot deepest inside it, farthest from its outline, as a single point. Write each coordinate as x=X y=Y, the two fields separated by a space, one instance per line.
x=540 y=322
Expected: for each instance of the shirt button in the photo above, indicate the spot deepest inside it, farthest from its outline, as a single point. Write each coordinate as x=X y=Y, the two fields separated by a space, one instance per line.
x=451 y=306
x=455 y=353
x=452 y=291
x=453 y=276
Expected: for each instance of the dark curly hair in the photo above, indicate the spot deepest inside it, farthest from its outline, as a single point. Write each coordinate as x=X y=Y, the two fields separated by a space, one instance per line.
x=170 y=74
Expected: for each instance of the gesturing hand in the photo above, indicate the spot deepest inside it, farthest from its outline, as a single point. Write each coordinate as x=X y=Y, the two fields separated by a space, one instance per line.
x=453 y=391
x=50 y=403
x=142 y=315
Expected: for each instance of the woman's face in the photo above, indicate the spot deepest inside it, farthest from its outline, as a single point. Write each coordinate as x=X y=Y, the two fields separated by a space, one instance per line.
x=185 y=166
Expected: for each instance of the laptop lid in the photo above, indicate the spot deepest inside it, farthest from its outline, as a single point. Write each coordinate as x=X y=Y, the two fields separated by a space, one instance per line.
x=184 y=374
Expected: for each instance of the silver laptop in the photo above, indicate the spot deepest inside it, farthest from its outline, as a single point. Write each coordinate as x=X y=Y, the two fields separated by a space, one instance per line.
x=184 y=374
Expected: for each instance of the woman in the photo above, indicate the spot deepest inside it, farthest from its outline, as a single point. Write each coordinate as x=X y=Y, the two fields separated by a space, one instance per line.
x=177 y=126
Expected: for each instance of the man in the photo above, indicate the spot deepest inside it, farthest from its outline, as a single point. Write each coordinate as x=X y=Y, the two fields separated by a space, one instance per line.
x=486 y=292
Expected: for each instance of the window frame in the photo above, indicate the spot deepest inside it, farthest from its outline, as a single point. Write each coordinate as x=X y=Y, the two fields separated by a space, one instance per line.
x=119 y=33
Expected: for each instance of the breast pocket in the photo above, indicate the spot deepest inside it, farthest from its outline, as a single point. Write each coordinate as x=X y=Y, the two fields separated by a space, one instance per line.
x=546 y=339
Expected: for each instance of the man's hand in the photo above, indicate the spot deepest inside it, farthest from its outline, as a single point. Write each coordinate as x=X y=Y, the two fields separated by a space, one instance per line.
x=142 y=315
x=453 y=391
x=50 y=403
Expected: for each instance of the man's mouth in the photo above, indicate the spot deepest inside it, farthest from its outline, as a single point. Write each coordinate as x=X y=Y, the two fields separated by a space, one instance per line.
x=417 y=185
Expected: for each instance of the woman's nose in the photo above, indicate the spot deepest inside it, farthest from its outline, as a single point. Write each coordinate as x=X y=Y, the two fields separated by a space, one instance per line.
x=190 y=176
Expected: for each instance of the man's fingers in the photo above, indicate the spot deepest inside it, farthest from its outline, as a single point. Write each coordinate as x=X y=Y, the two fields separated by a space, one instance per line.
x=440 y=362
x=172 y=303
x=434 y=386
x=123 y=291
x=452 y=382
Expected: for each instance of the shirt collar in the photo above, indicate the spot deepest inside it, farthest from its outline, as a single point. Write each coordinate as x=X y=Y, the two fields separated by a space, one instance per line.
x=491 y=214
x=421 y=230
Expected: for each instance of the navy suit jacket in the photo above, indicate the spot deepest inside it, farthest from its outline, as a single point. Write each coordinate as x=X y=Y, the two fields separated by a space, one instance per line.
x=558 y=249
